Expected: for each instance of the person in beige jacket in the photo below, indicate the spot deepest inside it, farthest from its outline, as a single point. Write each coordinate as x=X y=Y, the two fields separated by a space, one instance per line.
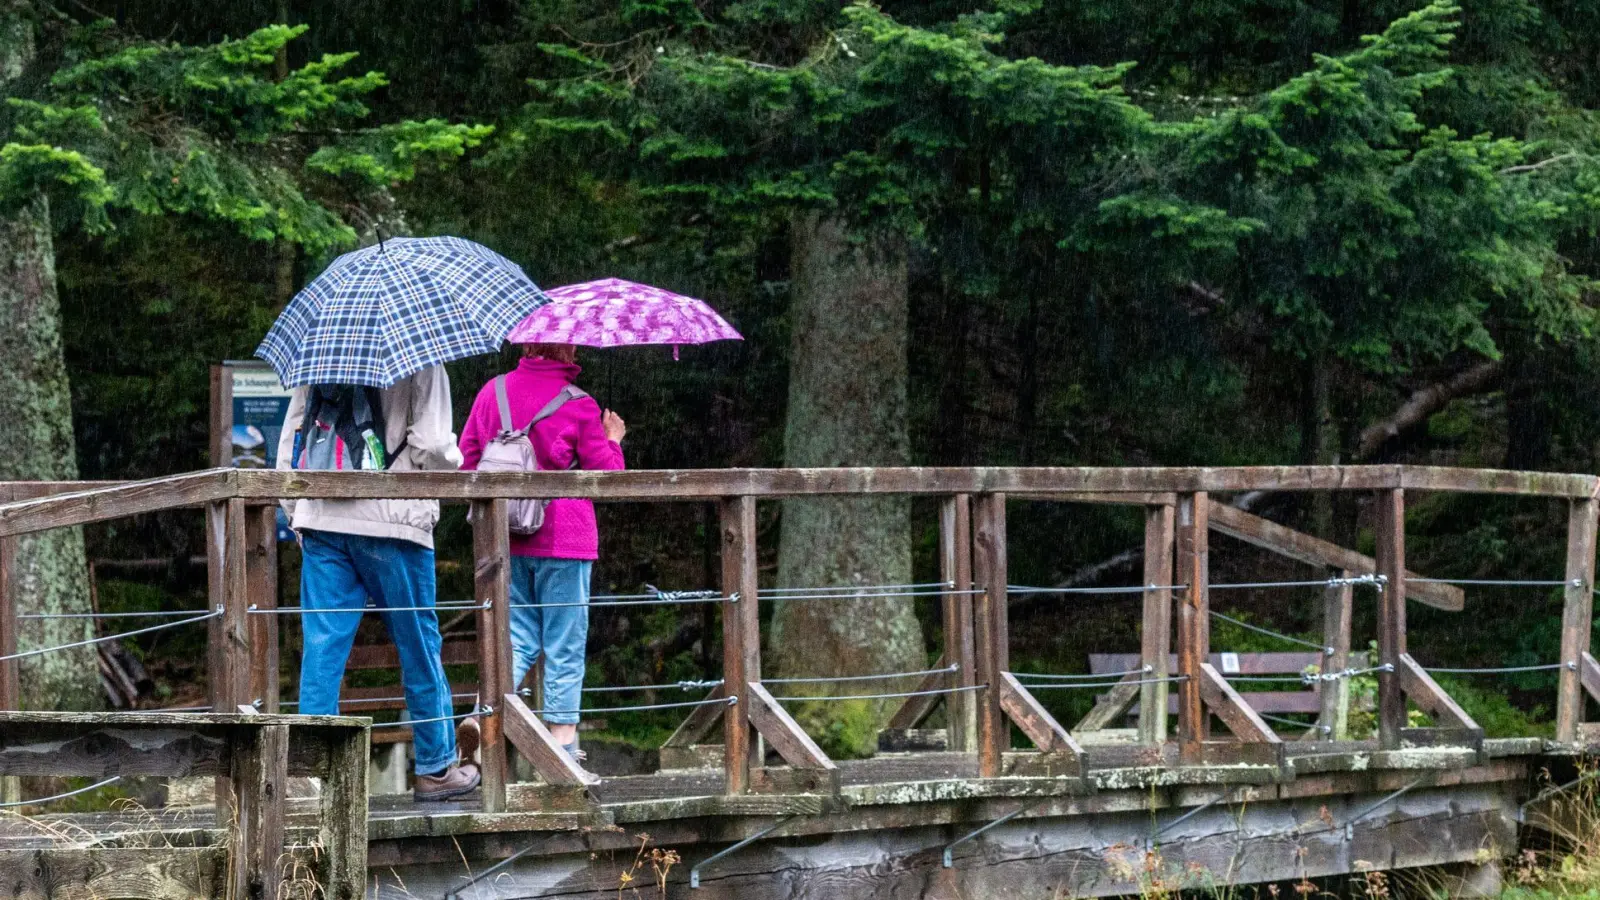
x=383 y=550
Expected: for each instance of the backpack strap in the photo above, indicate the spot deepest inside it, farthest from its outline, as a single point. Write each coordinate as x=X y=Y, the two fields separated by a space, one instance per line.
x=559 y=400
x=505 y=405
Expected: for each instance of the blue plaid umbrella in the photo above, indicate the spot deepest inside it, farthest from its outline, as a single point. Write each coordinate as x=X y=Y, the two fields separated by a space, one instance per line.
x=379 y=314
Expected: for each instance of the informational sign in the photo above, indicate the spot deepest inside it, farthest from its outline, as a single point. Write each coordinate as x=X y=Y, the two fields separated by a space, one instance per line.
x=248 y=405
x=1230 y=663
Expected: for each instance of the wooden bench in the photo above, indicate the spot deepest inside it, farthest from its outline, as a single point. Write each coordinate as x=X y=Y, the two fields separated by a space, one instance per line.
x=253 y=757
x=378 y=657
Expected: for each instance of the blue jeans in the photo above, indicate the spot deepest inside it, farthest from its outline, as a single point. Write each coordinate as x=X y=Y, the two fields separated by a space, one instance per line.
x=340 y=571
x=559 y=633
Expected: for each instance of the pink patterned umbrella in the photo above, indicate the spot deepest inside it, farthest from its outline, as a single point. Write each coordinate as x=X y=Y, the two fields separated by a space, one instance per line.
x=614 y=313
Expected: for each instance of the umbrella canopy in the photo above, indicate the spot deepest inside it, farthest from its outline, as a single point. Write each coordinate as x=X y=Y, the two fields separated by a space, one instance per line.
x=615 y=313
x=381 y=313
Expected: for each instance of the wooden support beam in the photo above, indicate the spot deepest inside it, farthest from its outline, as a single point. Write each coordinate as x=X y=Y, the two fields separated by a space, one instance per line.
x=697 y=726
x=1115 y=702
x=1220 y=698
x=342 y=823
x=1314 y=551
x=1192 y=570
x=106 y=749
x=1589 y=674
x=261 y=560
x=533 y=740
x=492 y=591
x=1577 y=615
x=991 y=630
x=228 y=644
x=1426 y=693
x=1036 y=722
x=65 y=873
x=955 y=567
x=1155 y=633
x=1337 y=605
x=914 y=709
x=260 y=782
x=10 y=670
x=783 y=733
x=117 y=501
x=1390 y=514
x=741 y=634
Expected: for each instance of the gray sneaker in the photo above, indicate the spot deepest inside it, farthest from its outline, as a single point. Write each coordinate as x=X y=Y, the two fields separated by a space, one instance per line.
x=578 y=757
x=447 y=785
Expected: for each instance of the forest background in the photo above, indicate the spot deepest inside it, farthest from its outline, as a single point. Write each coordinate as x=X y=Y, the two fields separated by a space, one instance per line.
x=1026 y=232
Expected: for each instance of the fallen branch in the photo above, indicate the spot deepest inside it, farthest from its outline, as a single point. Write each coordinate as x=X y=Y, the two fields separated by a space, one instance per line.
x=1424 y=403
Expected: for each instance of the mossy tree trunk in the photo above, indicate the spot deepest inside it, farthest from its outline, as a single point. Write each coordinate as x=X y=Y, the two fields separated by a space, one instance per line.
x=36 y=427
x=847 y=407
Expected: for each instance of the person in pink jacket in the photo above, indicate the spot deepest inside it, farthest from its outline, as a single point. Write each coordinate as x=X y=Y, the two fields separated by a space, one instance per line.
x=550 y=568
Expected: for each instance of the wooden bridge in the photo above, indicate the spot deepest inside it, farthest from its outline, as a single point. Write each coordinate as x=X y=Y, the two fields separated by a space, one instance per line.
x=1092 y=810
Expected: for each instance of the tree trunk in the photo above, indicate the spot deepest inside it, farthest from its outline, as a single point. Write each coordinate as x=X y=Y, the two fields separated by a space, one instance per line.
x=36 y=444
x=1319 y=439
x=847 y=407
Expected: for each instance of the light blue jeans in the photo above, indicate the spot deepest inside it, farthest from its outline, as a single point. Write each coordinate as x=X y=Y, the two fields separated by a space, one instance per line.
x=559 y=631
x=340 y=571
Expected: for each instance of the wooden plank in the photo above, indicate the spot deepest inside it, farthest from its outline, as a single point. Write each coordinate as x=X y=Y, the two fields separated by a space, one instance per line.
x=228 y=645
x=117 y=501
x=1303 y=702
x=1125 y=498
x=1036 y=722
x=384 y=656
x=63 y=873
x=1426 y=693
x=261 y=560
x=991 y=639
x=741 y=634
x=1192 y=570
x=1116 y=701
x=1221 y=699
x=102 y=749
x=782 y=732
x=1314 y=551
x=342 y=827
x=1155 y=632
x=914 y=709
x=10 y=669
x=1497 y=481
x=532 y=739
x=492 y=591
x=1589 y=674
x=1390 y=514
x=260 y=781
x=220 y=431
x=1334 y=701
x=699 y=723
x=1577 y=614
x=955 y=567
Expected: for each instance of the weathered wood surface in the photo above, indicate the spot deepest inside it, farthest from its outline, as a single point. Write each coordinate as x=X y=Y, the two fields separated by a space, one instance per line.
x=532 y=739
x=697 y=726
x=260 y=786
x=492 y=592
x=991 y=631
x=1338 y=604
x=917 y=708
x=1431 y=698
x=101 y=873
x=1192 y=570
x=261 y=589
x=1297 y=545
x=1221 y=699
x=1390 y=512
x=100 y=504
x=1155 y=632
x=1577 y=614
x=342 y=816
x=955 y=567
x=1114 y=703
x=741 y=635
x=1037 y=723
x=775 y=724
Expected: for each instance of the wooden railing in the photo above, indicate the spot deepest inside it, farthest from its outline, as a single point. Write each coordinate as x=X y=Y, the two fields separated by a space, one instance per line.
x=1179 y=516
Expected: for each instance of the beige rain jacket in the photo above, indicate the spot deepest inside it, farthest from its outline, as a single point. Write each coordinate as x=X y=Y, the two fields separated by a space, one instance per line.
x=415 y=410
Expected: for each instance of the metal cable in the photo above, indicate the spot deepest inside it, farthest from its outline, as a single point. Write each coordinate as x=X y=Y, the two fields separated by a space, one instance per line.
x=1083 y=675
x=852 y=588
x=718 y=598
x=1494 y=582
x=301 y=610
x=1300 y=678
x=371 y=700
x=1348 y=673
x=406 y=723
x=1357 y=580
x=1325 y=729
x=113 y=637
x=677 y=685
x=157 y=614
x=1326 y=651
x=1502 y=670
x=873 y=595
x=730 y=701
x=1079 y=685
x=1113 y=589
x=54 y=797
x=890 y=696
x=834 y=679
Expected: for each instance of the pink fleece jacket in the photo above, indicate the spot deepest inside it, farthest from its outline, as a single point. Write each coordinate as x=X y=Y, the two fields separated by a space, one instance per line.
x=573 y=432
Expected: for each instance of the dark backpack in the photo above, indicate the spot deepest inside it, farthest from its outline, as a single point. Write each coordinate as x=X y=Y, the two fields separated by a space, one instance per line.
x=343 y=430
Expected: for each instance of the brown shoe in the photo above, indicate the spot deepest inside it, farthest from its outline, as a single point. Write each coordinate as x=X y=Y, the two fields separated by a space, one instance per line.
x=469 y=736
x=449 y=784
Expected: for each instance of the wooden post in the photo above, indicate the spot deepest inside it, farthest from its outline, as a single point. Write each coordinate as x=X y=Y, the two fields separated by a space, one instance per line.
x=229 y=633
x=491 y=552
x=955 y=567
x=343 y=820
x=261 y=561
x=1194 y=622
x=221 y=418
x=10 y=671
x=1391 y=557
x=991 y=633
x=1155 y=637
x=741 y=635
x=1337 y=600
x=260 y=770
x=1576 y=616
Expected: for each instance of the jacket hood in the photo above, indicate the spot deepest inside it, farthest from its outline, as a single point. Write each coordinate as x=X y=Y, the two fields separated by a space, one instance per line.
x=547 y=368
